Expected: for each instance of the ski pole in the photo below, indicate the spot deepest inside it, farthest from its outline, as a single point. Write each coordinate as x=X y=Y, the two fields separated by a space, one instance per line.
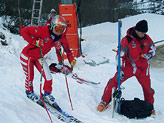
x=41 y=54
x=119 y=61
x=66 y=80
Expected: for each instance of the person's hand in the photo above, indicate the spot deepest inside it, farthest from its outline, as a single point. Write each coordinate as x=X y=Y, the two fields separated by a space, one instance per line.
x=40 y=43
x=142 y=55
x=147 y=56
x=73 y=62
x=57 y=44
x=65 y=70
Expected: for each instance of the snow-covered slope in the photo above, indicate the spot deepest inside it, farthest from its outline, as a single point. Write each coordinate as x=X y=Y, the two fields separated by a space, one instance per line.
x=15 y=107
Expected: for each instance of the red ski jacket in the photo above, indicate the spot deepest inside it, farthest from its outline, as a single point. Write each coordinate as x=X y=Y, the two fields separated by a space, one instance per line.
x=132 y=48
x=31 y=34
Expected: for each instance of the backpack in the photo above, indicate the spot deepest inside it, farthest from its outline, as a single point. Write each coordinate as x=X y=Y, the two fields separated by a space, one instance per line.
x=135 y=108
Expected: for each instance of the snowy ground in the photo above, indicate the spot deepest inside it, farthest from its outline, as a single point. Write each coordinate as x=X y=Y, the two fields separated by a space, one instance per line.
x=100 y=40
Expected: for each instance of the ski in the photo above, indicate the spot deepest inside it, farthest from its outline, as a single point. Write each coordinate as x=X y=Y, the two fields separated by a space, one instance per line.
x=115 y=97
x=158 y=41
x=83 y=81
x=113 y=102
x=58 y=113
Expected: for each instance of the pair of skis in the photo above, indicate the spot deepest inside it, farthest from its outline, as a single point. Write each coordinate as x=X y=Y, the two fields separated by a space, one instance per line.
x=58 y=113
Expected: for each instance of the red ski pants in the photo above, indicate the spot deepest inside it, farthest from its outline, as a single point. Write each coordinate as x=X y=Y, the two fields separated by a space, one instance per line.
x=143 y=79
x=28 y=64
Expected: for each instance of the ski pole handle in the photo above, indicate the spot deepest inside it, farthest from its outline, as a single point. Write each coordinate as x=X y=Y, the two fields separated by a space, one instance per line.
x=119 y=59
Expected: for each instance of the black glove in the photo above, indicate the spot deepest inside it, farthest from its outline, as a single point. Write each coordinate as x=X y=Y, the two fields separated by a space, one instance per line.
x=121 y=75
x=117 y=94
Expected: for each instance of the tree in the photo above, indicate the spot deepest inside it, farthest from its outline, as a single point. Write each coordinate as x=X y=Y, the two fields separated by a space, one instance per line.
x=92 y=11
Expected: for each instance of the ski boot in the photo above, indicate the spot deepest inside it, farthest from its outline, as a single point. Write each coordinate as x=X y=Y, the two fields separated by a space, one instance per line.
x=48 y=98
x=31 y=95
x=102 y=106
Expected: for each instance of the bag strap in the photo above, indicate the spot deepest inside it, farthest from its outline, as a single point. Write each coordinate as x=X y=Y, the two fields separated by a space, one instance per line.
x=128 y=38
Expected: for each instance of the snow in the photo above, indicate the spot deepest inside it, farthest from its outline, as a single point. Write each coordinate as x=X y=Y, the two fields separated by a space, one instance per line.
x=15 y=107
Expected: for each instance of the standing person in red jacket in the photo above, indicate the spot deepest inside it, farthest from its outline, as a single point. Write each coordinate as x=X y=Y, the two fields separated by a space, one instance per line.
x=45 y=37
x=136 y=50
x=52 y=15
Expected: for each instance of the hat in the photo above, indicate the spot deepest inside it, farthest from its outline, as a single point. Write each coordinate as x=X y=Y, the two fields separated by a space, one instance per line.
x=53 y=11
x=142 y=26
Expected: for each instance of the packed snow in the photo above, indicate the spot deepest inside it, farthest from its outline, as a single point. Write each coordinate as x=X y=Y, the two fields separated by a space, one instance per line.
x=15 y=107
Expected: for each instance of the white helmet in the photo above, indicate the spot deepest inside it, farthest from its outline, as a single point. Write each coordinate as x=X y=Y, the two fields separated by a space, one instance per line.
x=58 y=23
x=53 y=11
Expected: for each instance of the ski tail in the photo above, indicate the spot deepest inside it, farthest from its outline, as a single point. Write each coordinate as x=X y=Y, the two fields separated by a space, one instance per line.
x=113 y=101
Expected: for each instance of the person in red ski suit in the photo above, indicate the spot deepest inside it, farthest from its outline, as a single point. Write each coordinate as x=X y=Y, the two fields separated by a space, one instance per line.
x=52 y=15
x=136 y=50
x=40 y=41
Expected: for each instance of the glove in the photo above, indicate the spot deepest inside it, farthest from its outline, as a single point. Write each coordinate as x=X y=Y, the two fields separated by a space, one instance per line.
x=66 y=70
x=147 y=56
x=117 y=94
x=53 y=68
x=142 y=55
x=73 y=62
x=57 y=45
x=40 y=43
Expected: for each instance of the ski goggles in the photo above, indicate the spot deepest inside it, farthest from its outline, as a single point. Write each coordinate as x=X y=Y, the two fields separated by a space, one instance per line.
x=60 y=29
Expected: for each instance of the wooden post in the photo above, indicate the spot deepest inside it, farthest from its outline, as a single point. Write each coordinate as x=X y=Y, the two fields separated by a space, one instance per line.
x=115 y=11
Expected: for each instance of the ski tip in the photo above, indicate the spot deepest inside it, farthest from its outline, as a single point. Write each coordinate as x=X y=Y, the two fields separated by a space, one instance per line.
x=96 y=83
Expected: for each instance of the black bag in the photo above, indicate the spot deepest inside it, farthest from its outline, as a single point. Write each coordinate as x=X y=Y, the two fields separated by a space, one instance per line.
x=135 y=108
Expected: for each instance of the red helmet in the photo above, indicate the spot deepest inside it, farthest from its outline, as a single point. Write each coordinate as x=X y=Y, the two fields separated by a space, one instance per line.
x=58 y=24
